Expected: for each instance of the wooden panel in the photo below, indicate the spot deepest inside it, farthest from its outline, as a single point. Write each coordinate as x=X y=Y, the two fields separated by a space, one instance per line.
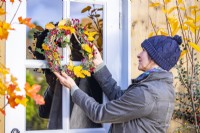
x=2 y=61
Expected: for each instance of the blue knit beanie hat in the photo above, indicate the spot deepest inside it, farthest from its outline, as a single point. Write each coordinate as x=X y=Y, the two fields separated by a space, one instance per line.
x=164 y=50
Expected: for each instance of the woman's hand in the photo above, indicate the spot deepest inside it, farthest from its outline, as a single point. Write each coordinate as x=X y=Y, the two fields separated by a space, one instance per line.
x=97 y=57
x=65 y=80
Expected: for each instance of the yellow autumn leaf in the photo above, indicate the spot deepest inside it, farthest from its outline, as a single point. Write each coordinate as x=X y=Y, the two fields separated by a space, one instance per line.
x=189 y=18
x=190 y=23
x=174 y=31
x=87 y=48
x=77 y=72
x=167 y=1
x=70 y=65
x=154 y=4
x=164 y=10
x=2 y=11
x=193 y=30
x=194 y=46
x=183 y=53
x=90 y=56
x=180 y=1
x=62 y=22
x=150 y=34
x=197 y=18
x=87 y=73
x=184 y=27
x=161 y=31
x=172 y=9
x=182 y=8
x=56 y=55
x=49 y=26
x=71 y=29
x=45 y=47
x=2 y=88
x=90 y=35
x=21 y=101
x=193 y=7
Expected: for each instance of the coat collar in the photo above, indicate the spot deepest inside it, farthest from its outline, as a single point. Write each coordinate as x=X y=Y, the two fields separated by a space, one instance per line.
x=154 y=75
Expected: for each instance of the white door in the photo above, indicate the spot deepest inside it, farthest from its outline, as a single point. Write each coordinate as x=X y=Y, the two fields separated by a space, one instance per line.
x=115 y=53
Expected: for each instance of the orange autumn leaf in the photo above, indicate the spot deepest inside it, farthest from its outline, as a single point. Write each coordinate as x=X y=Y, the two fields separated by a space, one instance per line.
x=27 y=22
x=11 y=88
x=39 y=100
x=3 y=111
x=11 y=101
x=32 y=91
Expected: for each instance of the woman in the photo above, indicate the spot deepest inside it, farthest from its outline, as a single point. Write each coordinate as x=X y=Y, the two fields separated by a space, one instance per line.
x=146 y=106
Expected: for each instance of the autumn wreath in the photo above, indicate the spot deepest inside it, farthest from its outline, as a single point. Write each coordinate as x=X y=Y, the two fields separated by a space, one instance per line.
x=58 y=36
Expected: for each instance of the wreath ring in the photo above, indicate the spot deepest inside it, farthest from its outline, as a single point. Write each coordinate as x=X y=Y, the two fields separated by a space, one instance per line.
x=59 y=36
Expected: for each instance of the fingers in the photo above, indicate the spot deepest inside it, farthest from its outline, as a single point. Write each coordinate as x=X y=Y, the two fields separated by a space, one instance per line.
x=57 y=75
x=95 y=49
x=64 y=75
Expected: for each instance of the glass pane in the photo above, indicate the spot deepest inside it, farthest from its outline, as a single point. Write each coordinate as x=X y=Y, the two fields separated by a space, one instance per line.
x=41 y=12
x=93 y=20
x=91 y=16
x=33 y=121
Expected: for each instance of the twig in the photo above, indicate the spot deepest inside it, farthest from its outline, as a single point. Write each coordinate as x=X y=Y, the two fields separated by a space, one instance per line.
x=16 y=12
x=152 y=25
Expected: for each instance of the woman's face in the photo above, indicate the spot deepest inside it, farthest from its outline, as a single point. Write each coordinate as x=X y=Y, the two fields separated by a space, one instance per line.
x=145 y=62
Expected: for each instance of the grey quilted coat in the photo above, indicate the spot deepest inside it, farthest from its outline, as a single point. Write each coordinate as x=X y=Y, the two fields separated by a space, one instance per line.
x=145 y=106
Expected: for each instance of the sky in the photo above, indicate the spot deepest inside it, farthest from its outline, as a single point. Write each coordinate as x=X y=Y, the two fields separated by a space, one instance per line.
x=44 y=11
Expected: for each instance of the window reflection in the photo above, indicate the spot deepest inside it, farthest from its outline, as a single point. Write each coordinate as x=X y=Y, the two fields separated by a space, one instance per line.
x=33 y=121
x=91 y=16
x=41 y=12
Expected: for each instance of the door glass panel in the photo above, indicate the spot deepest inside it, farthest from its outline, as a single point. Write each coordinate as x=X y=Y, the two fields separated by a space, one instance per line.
x=41 y=12
x=33 y=120
x=90 y=16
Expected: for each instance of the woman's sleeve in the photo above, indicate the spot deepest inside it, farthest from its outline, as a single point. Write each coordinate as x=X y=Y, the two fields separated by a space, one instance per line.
x=135 y=103
x=44 y=110
x=107 y=83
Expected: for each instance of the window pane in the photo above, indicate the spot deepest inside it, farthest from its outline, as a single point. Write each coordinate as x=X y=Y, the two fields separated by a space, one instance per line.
x=93 y=20
x=91 y=16
x=41 y=12
x=33 y=121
